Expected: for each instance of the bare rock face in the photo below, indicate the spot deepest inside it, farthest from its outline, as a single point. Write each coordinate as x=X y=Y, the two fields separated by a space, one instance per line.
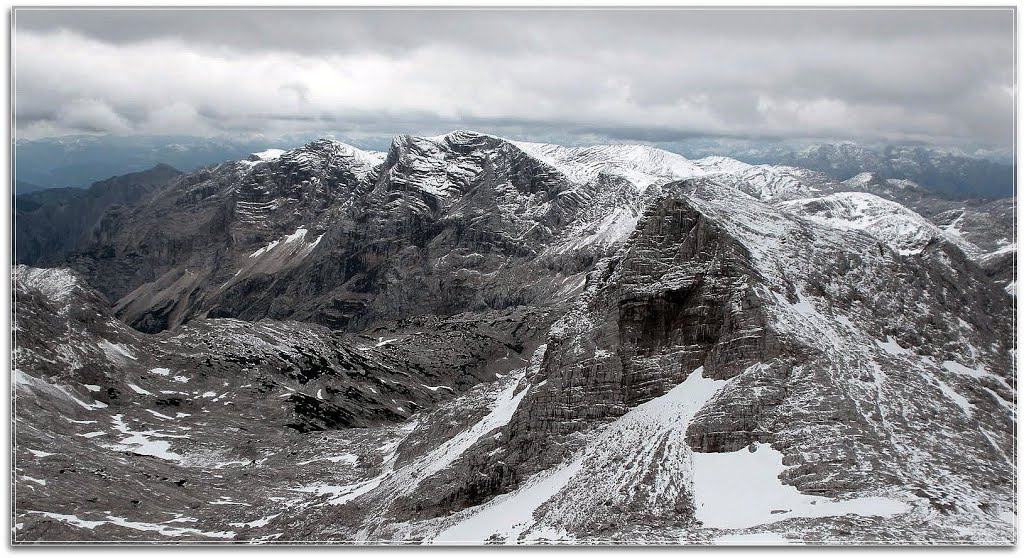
x=341 y=237
x=50 y=223
x=794 y=377
x=472 y=339
x=675 y=299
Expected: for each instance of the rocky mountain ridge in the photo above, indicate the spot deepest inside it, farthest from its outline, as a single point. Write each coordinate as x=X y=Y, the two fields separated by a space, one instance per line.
x=591 y=193
x=471 y=339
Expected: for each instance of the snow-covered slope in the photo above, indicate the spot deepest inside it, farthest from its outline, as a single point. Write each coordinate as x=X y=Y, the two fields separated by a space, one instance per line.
x=765 y=182
x=642 y=165
x=57 y=285
x=900 y=228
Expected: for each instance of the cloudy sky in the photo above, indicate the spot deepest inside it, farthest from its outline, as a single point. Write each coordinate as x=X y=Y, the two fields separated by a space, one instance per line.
x=942 y=77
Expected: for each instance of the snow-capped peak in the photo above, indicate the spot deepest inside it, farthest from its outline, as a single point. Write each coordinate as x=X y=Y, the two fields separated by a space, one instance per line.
x=324 y=150
x=719 y=165
x=641 y=164
x=268 y=154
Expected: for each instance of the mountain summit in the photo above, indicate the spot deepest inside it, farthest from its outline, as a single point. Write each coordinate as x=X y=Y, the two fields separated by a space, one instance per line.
x=474 y=339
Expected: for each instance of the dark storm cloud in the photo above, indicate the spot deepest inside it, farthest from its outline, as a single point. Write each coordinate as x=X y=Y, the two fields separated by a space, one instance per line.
x=937 y=75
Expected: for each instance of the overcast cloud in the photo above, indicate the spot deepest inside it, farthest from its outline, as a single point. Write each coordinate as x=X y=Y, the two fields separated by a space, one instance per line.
x=943 y=77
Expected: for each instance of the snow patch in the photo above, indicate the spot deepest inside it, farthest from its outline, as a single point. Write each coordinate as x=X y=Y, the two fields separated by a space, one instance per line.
x=892 y=347
x=262 y=522
x=982 y=373
x=953 y=396
x=92 y=434
x=116 y=351
x=26 y=382
x=165 y=530
x=265 y=249
x=505 y=405
x=512 y=515
x=742 y=489
x=138 y=390
x=140 y=442
x=752 y=539
x=509 y=515
x=159 y=415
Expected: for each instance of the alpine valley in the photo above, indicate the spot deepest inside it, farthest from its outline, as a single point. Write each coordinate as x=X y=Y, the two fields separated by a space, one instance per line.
x=469 y=339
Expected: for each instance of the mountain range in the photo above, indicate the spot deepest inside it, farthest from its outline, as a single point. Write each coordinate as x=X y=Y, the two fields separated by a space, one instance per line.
x=78 y=161
x=470 y=339
x=943 y=172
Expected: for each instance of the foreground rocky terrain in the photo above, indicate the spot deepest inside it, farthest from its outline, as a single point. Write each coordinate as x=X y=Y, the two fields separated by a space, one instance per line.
x=469 y=339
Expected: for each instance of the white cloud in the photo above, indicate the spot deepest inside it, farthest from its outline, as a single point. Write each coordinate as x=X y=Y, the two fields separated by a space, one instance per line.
x=92 y=115
x=624 y=81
